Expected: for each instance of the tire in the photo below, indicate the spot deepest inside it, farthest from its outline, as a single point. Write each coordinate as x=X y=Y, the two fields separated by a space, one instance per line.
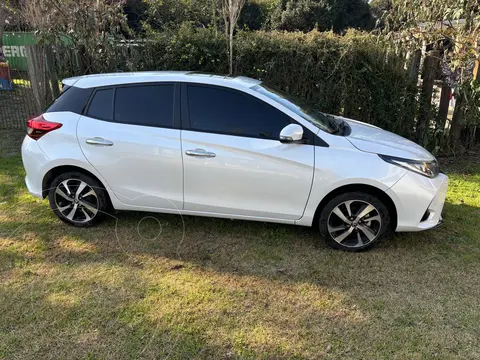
x=85 y=209
x=346 y=230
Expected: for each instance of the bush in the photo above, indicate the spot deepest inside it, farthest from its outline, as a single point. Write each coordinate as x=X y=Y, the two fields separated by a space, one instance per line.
x=352 y=75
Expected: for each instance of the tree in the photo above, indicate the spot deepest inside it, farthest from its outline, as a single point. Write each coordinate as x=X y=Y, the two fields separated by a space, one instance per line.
x=5 y=11
x=231 y=11
x=136 y=12
x=306 y=15
x=380 y=9
x=8 y=10
x=91 y=25
x=161 y=14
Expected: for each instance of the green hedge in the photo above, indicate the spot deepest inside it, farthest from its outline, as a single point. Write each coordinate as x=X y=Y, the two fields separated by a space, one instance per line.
x=352 y=75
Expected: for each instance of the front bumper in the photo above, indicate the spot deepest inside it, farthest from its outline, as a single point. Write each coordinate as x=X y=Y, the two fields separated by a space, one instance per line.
x=413 y=196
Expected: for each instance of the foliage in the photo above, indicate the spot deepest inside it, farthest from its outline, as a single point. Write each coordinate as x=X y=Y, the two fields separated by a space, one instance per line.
x=306 y=15
x=165 y=13
x=291 y=15
x=5 y=11
x=93 y=27
x=136 y=12
x=412 y=23
x=380 y=9
x=256 y=15
x=162 y=14
x=203 y=49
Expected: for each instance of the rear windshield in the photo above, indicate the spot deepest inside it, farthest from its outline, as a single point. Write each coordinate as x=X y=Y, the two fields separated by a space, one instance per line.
x=71 y=99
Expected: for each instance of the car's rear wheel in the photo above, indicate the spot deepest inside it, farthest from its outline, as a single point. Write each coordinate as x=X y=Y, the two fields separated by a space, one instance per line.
x=354 y=221
x=78 y=199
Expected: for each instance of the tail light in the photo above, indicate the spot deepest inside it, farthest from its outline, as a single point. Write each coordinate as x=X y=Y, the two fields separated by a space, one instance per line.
x=37 y=127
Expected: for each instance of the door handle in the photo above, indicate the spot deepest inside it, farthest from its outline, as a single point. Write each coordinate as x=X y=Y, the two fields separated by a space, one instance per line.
x=98 y=141
x=200 y=153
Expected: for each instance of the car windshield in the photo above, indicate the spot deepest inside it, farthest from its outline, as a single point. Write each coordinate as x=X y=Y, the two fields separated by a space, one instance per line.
x=320 y=120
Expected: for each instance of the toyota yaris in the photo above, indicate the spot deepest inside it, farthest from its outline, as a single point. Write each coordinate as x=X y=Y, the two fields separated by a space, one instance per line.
x=230 y=147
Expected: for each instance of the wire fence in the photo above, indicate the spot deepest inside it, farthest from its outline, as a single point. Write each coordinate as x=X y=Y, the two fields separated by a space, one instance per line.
x=17 y=104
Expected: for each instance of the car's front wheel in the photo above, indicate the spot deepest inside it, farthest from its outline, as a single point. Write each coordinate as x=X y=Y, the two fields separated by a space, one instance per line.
x=78 y=199
x=354 y=221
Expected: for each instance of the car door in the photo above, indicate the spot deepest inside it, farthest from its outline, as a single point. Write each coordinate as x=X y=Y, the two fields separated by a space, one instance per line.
x=131 y=135
x=233 y=160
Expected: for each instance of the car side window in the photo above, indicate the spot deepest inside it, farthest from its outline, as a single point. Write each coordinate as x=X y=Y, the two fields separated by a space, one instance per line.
x=149 y=105
x=225 y=111
x=101 y=106
x=71 y=99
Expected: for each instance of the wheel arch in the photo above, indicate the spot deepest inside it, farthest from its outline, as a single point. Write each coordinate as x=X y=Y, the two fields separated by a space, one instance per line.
x=51 y=174
x=369 y=189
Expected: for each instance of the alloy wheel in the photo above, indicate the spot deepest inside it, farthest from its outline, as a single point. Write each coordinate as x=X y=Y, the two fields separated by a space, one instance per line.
x=76 y=200
x=354 y=223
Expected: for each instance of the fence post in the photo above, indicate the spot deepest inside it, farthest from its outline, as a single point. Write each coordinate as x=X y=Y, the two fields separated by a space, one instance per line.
x=458 y=119
x=51 y=73
x=429 y=74
x=43 y=78
x=36 y=65
x=443 y=106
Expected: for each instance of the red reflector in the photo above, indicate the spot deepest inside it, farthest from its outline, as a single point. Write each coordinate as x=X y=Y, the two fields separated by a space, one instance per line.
x=38 y=127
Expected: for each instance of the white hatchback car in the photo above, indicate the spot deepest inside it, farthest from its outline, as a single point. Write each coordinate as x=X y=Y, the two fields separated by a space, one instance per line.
x=230 y=147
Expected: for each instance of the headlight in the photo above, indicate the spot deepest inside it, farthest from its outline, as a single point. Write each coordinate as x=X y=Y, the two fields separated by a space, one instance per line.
x=426 y=168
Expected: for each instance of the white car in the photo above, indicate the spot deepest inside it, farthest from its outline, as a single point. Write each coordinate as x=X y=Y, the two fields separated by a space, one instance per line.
x=229 y=147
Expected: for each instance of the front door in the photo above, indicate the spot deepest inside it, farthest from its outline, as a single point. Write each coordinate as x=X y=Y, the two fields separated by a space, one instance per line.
x=234 y=162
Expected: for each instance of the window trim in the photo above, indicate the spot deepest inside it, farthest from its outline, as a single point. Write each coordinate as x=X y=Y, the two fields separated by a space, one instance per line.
x=309 y=136
x=176 y=123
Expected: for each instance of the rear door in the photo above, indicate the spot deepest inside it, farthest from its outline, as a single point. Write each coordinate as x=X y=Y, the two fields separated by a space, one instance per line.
x=233 y=160
x=131 y=135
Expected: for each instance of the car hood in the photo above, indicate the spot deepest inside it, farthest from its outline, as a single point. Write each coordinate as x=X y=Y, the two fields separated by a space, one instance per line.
x=372 y=139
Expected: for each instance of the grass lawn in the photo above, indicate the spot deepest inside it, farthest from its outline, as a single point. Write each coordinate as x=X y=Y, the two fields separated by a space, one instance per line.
x=162 y=286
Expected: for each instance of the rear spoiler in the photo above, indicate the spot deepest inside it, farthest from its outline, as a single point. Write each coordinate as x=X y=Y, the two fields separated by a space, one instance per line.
x=70 y=81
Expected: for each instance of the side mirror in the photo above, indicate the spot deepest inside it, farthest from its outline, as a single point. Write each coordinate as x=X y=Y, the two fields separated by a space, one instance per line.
x=292 y=133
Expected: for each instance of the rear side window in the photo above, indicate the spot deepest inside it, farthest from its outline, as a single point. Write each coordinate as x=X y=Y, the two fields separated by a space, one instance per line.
x=101 y=106
x=218 y=110
x=72 y=99
x=150 y=105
